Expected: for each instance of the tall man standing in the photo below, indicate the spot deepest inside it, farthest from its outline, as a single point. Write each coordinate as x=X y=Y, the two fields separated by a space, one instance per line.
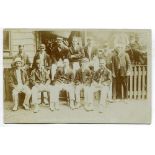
x=90 y=50
x=121 y=67
x=75 y=55
x=45 y=60
x=24 y=57
x=19 y=83
x=60 y=52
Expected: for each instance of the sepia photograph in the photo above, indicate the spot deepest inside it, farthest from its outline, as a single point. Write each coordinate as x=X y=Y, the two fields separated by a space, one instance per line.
x=77 y=75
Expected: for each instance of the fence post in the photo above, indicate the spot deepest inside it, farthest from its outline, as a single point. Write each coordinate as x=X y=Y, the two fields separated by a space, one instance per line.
x=131 y=82
x=135 y=81
x=139 y=81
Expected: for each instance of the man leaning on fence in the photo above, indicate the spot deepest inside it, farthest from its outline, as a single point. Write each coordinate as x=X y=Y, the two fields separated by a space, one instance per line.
x=121 y=68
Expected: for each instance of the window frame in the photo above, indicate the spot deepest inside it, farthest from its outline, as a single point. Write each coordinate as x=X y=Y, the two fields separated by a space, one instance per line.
x=9 y=49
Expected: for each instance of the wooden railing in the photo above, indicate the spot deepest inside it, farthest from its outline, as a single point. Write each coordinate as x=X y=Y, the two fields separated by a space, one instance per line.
x=137 y=82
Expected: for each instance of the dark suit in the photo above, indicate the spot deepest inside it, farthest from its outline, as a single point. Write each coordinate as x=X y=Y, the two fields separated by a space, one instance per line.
x=61 y=53
x=103 y=76
x=47 y=60
x=40 y=80
x=83 y=81
x=135 y=57
x=13 y=77
x=83 y=77
x=77 y=53
x=50 y=52
x=39 y=76
x=19 y=87
x=63 y=77
x=63 y=81
x=120 y=65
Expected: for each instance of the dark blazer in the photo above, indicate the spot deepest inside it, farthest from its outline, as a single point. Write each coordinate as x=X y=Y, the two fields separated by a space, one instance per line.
x=13 y=77
x=84 y=77
x=123 y=67
x=78 y=54
x=103 y=76
x=62 y=77
x=47 y=60
x=93 y=52
x=135 y=57
x=56 y=54
x=38 y=77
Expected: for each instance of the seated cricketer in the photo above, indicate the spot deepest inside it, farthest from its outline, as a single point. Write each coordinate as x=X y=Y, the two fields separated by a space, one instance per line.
x=40 y=80
x=19 y=83
x=102 y=81
x=83 y=79
x=63 y=80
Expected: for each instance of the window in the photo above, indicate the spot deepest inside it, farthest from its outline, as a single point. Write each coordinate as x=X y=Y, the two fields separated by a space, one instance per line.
x=6 y=41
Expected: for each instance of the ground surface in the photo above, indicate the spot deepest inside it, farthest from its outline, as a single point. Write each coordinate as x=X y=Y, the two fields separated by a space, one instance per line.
x=116 y=112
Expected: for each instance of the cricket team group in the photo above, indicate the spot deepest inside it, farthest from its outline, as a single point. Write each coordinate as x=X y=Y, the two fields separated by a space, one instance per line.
x=71 y=68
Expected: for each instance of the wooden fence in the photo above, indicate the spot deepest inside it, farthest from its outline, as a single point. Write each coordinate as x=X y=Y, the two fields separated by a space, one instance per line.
x=137 y=82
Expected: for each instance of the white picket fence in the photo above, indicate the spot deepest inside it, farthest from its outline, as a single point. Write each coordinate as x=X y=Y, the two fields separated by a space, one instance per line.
x=137 y=82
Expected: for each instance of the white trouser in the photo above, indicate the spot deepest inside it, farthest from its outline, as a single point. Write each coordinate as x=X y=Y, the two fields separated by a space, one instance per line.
x=39 y=88
x=76 y=66
x=110 y=92
x=87 y=91
x=24 y=89
x=104 y=92
x=68 y=87
x=53 y=71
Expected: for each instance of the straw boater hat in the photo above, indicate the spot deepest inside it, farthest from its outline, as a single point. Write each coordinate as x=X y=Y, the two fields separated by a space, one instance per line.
x=18 y=59
x=59 y=38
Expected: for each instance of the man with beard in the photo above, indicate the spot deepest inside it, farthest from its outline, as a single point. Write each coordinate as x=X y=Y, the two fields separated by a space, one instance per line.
x=60 y=52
